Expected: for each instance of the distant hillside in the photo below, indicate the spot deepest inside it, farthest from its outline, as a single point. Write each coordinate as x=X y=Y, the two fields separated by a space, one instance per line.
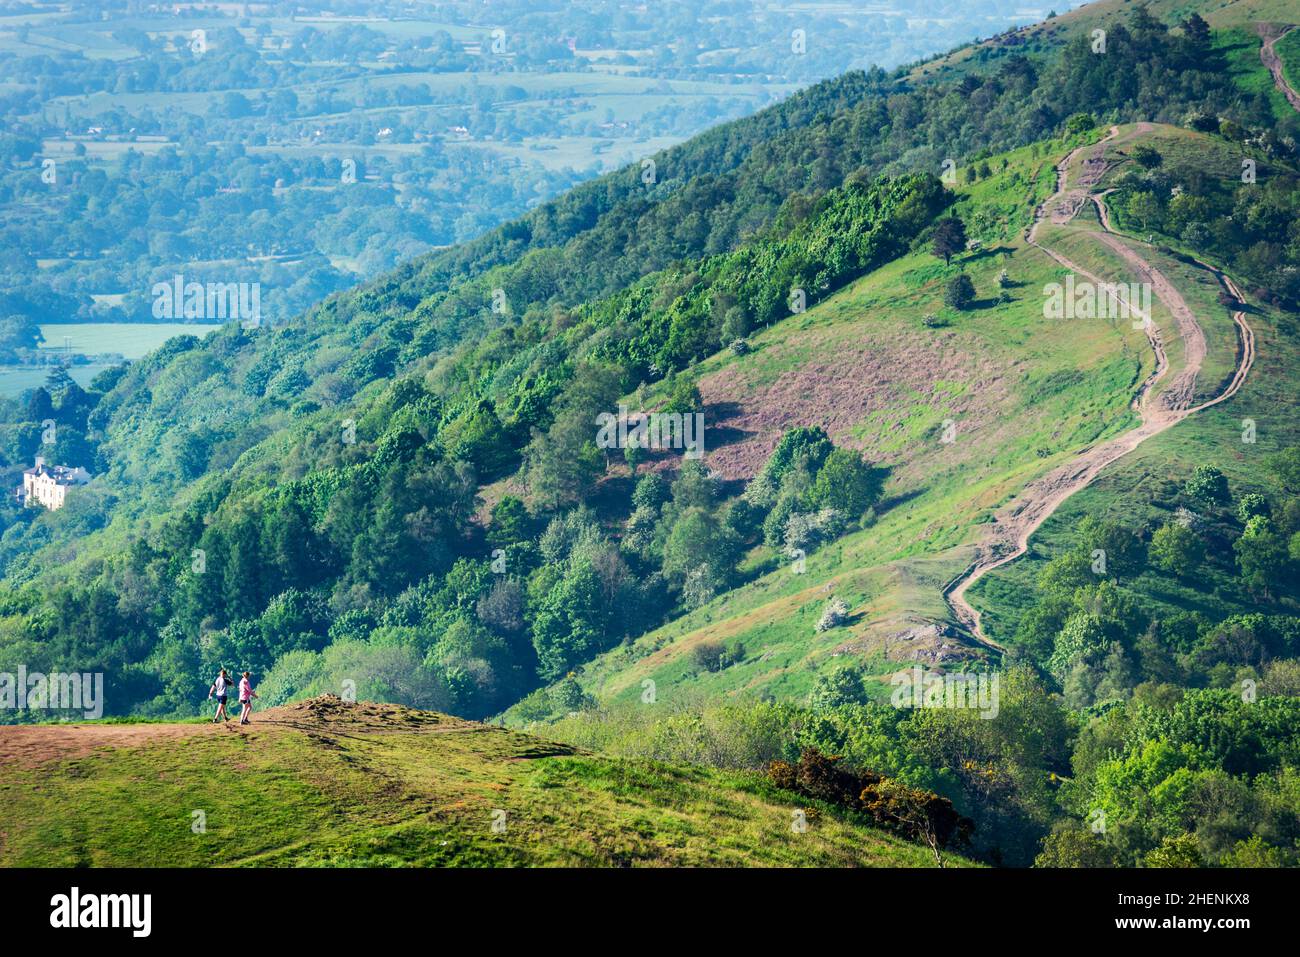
x=322 y=783
x=1056 y=32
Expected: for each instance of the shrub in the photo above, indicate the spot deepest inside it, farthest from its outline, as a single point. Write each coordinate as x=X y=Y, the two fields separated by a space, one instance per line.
x=824 y=778
x=1207 y=483
x=651 y=492
x=838 y=687
x=1083 y=637
x=1251 y=505
x=502 y=609
x=804 y=530
x=949 y=239
x=743 y=517
x=914 y=813
x=569 y=696
x=684 y=397
x=846 y=483
x=289 y=678
x=1180 y=851
x=836 y=613
x=700 y=586
x=1176 y=549
x=920 y=815
x=1254 y=852
x=1262 y=554
x=536 y=706
x=1286 y=466
x=1122 y=550
x=774 y=526
x=1147 y=157
x=1074 y=846
x=806 y=443
x=1080 y=122
x=959 y=292
x=714 y=656
x=784 y=775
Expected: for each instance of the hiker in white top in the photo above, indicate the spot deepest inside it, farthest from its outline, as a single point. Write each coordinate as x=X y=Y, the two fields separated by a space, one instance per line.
x=220 y=688
x=246 y=696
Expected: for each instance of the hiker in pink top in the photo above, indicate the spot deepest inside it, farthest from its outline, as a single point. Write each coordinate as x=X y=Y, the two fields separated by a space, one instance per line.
x=246 y=696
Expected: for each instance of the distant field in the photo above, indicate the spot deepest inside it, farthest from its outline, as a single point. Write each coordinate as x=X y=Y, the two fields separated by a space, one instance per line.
x=130 y=339
x=574 y=151
x=15 y=380
x=543 y=85
x=579 y=97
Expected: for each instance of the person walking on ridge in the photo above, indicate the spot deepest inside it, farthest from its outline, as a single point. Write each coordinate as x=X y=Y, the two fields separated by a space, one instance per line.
x=246 y=696
x=220 y=688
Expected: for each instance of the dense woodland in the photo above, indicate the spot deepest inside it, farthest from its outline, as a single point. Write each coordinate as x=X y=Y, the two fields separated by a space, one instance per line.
x=402 y=483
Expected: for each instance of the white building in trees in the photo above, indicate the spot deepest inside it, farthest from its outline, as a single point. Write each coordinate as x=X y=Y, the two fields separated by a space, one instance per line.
x=47 y=485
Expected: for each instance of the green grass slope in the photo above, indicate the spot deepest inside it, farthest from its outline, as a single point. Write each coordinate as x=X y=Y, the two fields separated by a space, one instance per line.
x=1288 y=49
x=323 y=783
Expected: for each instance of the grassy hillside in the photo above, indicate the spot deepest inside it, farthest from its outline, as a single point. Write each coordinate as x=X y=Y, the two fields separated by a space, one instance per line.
x=1025 y=394
x=1288 y=48
x=326 y=784
x=1034 y=393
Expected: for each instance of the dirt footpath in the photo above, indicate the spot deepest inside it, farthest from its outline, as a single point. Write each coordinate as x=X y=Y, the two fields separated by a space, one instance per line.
x=1271 y=34
x=29 y=746
x=35 y=744
x=1007 y=536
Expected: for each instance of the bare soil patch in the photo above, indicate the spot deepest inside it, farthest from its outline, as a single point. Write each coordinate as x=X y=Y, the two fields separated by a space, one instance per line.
x=33 y=745
x=838 y=383
x=29 y=746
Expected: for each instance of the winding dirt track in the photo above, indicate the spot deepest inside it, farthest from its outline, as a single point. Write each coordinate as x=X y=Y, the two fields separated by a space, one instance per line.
x=1273 y=62
x=1008 y=535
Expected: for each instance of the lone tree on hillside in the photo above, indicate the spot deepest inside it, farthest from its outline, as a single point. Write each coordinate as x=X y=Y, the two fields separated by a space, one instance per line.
x=1147 y=157
x=1197 y=30
x=949 y=239
x=960 y=292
